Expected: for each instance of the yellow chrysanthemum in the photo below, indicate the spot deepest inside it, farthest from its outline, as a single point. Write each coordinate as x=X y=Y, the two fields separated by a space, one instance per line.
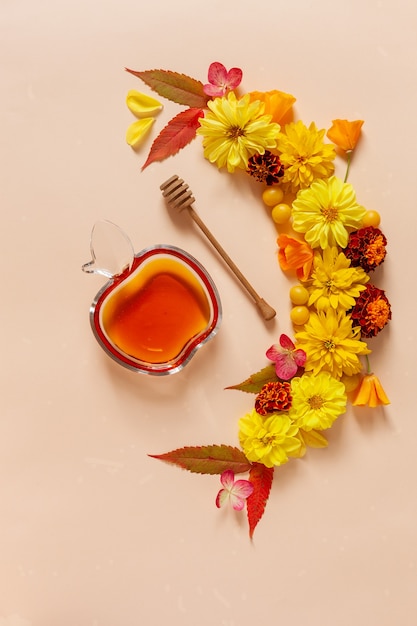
x=316 y=401
x=269 y=440
x=236 y=129
x=331 y=344
x=326 y=211
x=334 y=283
x=304 y=155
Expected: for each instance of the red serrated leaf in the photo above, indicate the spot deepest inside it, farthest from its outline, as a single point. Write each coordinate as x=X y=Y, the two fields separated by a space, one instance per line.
x=255 y=382
x=176 y=87
x=213 y=459
x=176 y=135
x=261 y=478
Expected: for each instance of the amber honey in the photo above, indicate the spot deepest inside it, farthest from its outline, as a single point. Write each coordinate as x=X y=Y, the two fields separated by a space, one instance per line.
x=154 y=313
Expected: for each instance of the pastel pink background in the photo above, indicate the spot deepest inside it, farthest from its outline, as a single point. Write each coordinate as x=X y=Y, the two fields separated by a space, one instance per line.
x=93 y=532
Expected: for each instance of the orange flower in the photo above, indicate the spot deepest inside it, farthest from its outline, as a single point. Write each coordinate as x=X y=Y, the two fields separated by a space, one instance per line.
x=296 y=255
x=345 y=134
x=370 y=392
x=277 y=103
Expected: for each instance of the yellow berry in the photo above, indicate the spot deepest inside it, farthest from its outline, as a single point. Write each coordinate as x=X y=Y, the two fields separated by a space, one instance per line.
x=272 y=196
x=299 y=295
x=299 y=315
x=372 y=218
x=281 y=213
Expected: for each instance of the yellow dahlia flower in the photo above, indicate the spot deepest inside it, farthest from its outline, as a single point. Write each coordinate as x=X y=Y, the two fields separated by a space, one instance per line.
x=326 y=211
x=236 y=129
x=316 y=401
x=331 y=344
x=304 y=155
x=269 y=440
x=334 y=283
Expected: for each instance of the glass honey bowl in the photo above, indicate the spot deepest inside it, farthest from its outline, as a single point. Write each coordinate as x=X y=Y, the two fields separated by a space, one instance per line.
x=158 y=308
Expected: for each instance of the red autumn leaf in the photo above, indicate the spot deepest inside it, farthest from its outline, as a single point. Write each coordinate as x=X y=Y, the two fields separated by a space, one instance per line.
x=261 y=478
x=179 y=88
x=176 y=135
x=213 y=459
x=255 y=382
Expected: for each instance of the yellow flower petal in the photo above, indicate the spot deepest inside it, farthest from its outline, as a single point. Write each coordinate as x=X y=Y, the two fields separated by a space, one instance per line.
x=142 y=105
x=138 y=131
x=314 y=439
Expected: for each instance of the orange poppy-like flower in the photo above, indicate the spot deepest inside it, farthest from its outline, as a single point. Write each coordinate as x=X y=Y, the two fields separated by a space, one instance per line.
x=277 y=103
x=296 y=255
x=370 y=392
x=345 y=134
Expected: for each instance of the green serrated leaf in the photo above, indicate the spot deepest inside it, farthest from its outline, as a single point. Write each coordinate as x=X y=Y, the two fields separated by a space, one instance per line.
x=213 y=459
x=256 y=381
x=176 y=87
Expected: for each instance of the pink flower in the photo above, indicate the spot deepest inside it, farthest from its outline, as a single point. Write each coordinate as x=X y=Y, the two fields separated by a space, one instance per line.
x=222 y=81
x=287 y=359
x=235 y=491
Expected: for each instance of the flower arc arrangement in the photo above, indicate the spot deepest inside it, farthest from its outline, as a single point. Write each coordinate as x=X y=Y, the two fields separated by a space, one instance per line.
x=327 y=242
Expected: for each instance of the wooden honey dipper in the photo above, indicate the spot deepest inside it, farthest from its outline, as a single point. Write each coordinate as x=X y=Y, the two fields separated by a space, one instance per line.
x=179 y=196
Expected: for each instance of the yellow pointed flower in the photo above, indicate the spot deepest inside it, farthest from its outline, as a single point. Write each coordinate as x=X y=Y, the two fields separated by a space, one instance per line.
x=370 y=392
x=304 y=155
x=344 y=134
x=326 y=212
x=234 y=129
x=269 y=440
x=331 y=344
x=334 y=282
x=316 y=401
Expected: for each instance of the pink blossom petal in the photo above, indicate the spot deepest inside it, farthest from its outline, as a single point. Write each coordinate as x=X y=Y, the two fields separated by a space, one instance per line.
x=285 y=366
x=222 y=497
x=286 y=343
x=242 y=488
x=273 y=352
x=227 y=479
x=234 y=77
x=236 y=502
x=213 y=91
x=217 y=74
x=300 y=357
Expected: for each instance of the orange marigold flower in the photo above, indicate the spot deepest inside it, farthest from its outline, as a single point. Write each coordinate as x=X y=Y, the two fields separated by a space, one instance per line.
x=296 y=255
x=371 y=312
x=274 y=396
x=370 y=392
x=366 y=248
x=344 y=134
x=277 y=103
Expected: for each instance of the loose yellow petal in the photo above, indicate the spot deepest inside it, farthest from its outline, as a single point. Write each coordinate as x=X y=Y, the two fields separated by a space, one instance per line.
x=314 y=439
x=142 y=105
x=138 y=131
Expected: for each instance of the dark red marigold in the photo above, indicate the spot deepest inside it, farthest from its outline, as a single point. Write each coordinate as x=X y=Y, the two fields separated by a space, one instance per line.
x=366 y=248
x=371 y=312
x=266 y=168
x=272 y=397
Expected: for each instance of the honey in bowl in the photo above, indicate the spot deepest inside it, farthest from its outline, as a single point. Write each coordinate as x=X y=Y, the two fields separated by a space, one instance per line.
x=154 y=316
x=157 y=312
